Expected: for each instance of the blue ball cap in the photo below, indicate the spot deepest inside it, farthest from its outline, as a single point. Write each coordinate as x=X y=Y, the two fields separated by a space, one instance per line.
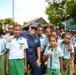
x=33 y=24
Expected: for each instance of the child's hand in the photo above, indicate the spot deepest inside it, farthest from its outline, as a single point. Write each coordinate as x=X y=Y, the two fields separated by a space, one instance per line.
x=67 y=51
x=9 y=39
x=66 y=66
x=7 y=70
x=70 y=47
x=45 y=58
x=25 y=68
x=48 y=55
x=75 y=49
x=61 y=72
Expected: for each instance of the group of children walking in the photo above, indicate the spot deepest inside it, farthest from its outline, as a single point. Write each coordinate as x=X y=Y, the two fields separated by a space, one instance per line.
x=57 y=53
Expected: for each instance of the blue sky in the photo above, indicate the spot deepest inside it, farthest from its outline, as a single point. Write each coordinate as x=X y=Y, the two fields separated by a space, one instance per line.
x=25 y=10
x=5 y=8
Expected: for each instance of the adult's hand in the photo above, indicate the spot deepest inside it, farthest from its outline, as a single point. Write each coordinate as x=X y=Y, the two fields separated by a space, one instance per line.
x=38 y=63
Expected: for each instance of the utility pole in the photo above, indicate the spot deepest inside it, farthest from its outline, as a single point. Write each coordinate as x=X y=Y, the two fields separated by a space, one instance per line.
x=13 y=9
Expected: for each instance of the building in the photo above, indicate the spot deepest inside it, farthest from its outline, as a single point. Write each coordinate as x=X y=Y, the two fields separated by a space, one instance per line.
x=40 y=21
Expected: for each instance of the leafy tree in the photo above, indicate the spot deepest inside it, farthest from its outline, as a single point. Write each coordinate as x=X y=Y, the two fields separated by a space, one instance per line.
x=1 y=22
x=24 y=23
x=55 y=12
x=59 y=11
x=7 y=21
x=71 y=9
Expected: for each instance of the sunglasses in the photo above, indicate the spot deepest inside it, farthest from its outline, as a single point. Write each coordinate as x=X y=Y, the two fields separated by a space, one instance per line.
x=34 y=28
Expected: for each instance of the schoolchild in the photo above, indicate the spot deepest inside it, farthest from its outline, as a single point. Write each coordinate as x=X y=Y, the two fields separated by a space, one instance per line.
x=16 y=53
x=2 y=53
x=53 y=55
x=10 y=33
x=75 y=59
x=48 y=34
x=55 y=34
x=68 y=54
x=73 y=39
x=42 y=37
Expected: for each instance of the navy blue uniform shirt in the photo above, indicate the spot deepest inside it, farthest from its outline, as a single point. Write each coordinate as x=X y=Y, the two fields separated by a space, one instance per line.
x=33 y=43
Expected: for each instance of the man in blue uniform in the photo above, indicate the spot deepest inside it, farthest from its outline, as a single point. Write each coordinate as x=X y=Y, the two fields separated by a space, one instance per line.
x=33 y=47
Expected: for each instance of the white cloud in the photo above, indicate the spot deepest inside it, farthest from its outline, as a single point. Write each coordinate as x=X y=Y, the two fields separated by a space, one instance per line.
x=4 y=14
x=26 y=10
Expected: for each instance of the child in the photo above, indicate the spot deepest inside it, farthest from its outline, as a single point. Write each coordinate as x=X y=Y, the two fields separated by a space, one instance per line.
x=48 y=34
x=73 y=40
x=10 y=31
x=75 y=58
x=54 y=33
x=2 y=53
x=46 y=42
x=42 y=37
x=53 y=54
x=16 y=53
x=68 y=55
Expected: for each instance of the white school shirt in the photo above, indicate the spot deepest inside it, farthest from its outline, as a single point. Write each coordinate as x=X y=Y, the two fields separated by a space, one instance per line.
x=53 y=62
x=46 y=42
x=75 y=45
x=60 y=41
x=16 y=48
x=42 y=42
x=7 y=35
x=2 y=46
x=65 y=48
x=73 y=40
